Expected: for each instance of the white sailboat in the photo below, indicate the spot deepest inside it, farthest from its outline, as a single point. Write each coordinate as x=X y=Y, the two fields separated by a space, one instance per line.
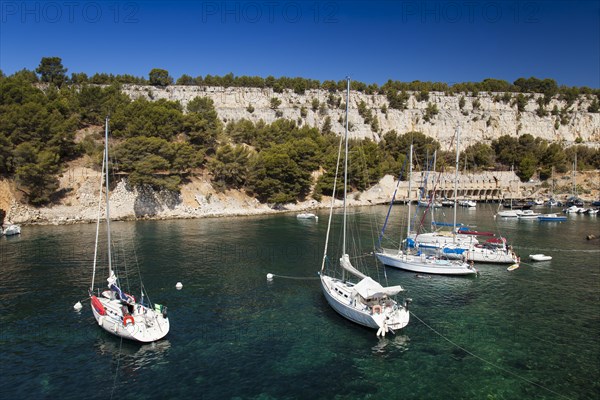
x=365 y=302
x=115 y=311
x=422 y=263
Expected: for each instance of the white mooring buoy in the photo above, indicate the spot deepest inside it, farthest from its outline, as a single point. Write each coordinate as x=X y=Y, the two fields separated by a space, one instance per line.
x=77 y=306
x=270 y=276
x=179 y=286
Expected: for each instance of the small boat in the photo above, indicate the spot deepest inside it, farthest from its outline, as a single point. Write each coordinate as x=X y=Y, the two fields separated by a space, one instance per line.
x=527 y=214
x=592 y=211
x=447 y=203
x=573 y=210
x=512 y=267
x=467 y=203
x=508 y=214
x=540 y=257
x=551 y=217
x=12 y=229
x=427 y=203
x=307 y=216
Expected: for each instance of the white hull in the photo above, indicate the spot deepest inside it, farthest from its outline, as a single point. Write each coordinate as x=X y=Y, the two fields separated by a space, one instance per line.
x=527 y=214
x=423 y=264
x=507 y=214
x=340 y=297
x=482 y=254
x=307 y=216
x=12 y=230
x=148 y=325
x=540 y=257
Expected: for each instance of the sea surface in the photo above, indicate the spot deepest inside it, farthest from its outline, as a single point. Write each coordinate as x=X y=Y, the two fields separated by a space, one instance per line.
x=533 y=333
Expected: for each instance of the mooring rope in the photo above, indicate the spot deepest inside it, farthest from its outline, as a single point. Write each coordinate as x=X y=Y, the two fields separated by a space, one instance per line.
x=112 y=392
x=484 y=360
x=294 y=277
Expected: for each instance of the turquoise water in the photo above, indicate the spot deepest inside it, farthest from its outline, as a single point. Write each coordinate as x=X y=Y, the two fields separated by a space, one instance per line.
x=531 y=333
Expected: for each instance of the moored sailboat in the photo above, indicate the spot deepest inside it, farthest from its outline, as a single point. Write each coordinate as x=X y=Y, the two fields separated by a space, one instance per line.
x=418 y=262
x=115 y=311
x=351 y=293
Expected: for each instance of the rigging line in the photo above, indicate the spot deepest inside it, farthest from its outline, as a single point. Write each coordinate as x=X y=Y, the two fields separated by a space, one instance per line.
x=387 y=217
x=333 y=195
x=98 y=224
x=484 y=360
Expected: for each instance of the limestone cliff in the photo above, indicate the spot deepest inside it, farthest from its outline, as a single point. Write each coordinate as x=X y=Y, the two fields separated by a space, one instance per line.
x=486 y=121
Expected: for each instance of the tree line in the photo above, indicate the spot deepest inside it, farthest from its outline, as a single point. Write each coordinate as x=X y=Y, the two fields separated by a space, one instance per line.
x=160 y=143
x=51 y=70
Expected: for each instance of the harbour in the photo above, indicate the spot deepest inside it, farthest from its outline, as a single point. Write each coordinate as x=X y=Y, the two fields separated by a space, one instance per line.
x=528 y=333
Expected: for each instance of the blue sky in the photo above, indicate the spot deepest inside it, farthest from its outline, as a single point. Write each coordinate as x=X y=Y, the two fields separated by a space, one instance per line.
x=372 y=41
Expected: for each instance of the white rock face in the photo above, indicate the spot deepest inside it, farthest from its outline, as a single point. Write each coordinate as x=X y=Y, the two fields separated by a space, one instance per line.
x=489 y=121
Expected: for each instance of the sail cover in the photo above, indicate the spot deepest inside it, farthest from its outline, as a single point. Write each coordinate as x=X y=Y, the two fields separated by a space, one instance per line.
x=345 y=263
x=368 y=288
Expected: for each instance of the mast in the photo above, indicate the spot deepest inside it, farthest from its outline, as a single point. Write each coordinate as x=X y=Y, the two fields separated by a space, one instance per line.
x=98 y=225
x=575 y=177
x=410 y=161
x=455 y=185
x=346 y=164
x=110 y=271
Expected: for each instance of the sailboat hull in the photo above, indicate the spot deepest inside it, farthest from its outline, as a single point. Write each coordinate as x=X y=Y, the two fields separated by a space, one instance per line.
x=143 y=325
x=339 y=296
x=423 y=264
x=488 y=255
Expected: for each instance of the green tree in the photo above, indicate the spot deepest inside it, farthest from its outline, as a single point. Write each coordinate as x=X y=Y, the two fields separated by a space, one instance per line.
x=229 y=167
x=185 y=79
x=159 y=77
x=52 y=71
x=276 y=178
x=478 y=155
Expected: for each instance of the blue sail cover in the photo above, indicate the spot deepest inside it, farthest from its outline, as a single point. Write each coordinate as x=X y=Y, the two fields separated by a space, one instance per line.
x=456 y=250
x=446 y=224
x=120 y=294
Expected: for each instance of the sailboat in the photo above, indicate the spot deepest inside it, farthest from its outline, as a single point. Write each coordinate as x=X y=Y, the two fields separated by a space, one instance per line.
x=353 y=294
x=115 y=311
x=421 y=262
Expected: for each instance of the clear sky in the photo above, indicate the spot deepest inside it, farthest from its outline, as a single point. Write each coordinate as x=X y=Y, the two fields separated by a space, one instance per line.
x=372 y=41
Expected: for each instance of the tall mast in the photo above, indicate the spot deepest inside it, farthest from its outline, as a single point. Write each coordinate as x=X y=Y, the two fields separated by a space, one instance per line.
x=410 y=161
x=455 y=184
x=107 y=205
x=346 y=163
x=575 y=176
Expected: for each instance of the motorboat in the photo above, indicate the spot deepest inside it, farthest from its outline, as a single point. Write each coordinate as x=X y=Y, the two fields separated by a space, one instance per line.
x=527 y=214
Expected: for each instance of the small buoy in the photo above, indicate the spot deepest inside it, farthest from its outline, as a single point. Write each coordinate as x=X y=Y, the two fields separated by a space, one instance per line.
x=269 y=276
x=179 y=285
x=77 y=306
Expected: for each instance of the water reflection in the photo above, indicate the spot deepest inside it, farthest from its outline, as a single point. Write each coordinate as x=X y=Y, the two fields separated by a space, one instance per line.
x=132 y=356
x=391 y=344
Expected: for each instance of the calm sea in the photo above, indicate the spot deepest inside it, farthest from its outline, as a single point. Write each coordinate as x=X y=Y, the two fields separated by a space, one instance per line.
x=528 y=334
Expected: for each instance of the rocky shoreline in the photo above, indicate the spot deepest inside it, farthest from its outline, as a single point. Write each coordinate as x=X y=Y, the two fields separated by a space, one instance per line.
x=198 y=199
